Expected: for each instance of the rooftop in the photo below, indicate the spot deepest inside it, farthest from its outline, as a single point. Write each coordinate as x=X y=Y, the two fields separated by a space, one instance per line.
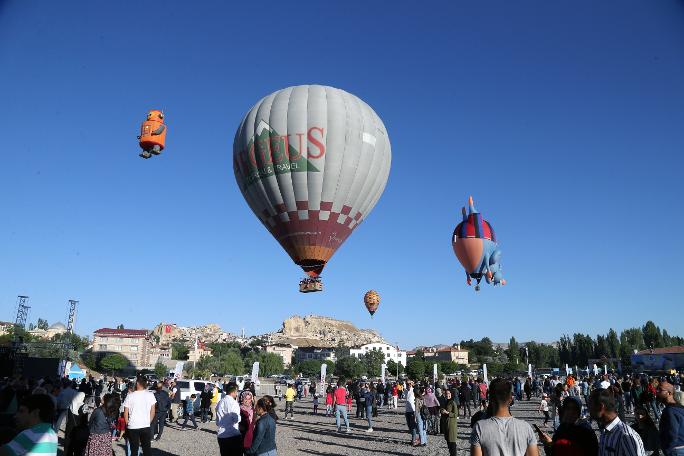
x=662 y=350
x=122 y=332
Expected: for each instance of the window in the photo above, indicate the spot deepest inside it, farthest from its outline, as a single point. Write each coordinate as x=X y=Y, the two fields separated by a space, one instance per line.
x=102 y=347
x=134 y=348
x=199 y=386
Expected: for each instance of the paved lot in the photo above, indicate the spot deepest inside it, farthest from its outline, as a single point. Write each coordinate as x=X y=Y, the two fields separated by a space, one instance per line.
x=310 y=434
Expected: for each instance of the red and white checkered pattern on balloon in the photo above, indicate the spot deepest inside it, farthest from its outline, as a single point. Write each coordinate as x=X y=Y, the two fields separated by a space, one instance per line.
x=303 y=213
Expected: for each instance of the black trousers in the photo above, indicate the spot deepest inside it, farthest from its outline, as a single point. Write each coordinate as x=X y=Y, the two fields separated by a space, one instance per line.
x=360 y=409
x=231 y=446
x=452 y=448
x=138 y=438
x=158 y=423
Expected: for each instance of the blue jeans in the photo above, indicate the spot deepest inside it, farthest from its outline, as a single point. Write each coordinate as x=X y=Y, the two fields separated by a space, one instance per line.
x=269 y=453
x=420 y=424
x=341 y=409
x=369 y=413
x=675 y=452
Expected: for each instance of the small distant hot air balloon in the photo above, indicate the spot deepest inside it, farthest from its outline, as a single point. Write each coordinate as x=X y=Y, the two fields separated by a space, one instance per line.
x=372 y=301
x=311 y=161
x=475 y=246
x=152 y=134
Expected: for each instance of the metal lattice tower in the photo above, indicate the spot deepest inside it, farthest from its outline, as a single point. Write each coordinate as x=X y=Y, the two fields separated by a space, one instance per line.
x=18 y=346
x=71 y=318
x=22 y=315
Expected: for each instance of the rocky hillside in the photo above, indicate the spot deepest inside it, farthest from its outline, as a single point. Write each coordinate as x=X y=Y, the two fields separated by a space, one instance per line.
x=315 y=331
x=169 y=332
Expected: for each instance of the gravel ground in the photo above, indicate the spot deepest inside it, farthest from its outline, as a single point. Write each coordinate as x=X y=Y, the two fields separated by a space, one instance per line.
x=310 y=434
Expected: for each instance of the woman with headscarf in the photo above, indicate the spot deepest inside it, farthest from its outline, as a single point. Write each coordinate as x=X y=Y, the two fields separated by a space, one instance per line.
x=432 y=404
x=246 y=425
x=73 y=419
x=100 y=438
x=449 y=418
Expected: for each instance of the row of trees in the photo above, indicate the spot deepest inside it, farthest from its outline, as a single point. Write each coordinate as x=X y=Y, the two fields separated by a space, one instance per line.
x=230 y=359
x=579 y=348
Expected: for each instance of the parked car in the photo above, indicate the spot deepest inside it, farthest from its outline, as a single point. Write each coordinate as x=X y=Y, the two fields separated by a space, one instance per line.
x=188 y=387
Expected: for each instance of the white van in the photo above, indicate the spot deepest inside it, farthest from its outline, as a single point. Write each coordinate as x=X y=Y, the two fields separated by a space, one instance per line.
x=188 y=387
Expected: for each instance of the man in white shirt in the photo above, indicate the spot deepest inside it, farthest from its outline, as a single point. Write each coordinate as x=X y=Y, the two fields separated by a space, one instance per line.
x=139 y=411
x=410 y=411
x=227 y=420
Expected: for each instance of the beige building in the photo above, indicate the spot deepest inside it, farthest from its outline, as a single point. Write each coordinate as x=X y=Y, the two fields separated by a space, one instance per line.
x=133 y=344
x=159 y=353
x=5 y=327
x=197 y=351
x=285 y=351
x=53 y=330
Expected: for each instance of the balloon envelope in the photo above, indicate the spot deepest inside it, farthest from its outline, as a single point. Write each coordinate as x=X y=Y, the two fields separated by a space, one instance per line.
x=311 y=162
x=372 y=301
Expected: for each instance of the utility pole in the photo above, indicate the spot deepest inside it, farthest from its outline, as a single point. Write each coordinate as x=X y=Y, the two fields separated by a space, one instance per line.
x=18 y=347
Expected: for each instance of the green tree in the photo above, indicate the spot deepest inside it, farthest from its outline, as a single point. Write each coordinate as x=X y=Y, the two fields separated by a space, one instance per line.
x=341 y=351
x=310 y=367
x=513 y=352
x=448 y=367
x=42 y=324
x=415 y=368
x=652 y=336
x=270 y=364
x=613 y=343
x=392 y=368
x=160 y=370
x=231 y=363
x=120 y=326
x=373 y=360
x=349 y=367
x=113 y=363
x=89 y=360
x=601 y=348
x=179 y=351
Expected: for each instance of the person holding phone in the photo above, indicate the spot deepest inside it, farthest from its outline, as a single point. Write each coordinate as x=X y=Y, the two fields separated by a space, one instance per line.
x=573 y=436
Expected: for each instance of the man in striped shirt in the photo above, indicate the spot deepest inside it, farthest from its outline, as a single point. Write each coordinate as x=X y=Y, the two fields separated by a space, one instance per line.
x=35 y=416
x=617 y=438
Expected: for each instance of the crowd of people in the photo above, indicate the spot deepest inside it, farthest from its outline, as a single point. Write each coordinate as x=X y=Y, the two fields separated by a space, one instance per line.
x=92 y=415
x=605 y=415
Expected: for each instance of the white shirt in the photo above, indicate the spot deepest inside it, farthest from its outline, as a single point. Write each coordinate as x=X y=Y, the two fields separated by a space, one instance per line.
x=605 y=384
x=410 y=401
x=227 y=417
x=139 y=404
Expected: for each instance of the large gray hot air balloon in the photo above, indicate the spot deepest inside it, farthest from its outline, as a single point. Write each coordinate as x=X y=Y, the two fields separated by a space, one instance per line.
x=311 y=162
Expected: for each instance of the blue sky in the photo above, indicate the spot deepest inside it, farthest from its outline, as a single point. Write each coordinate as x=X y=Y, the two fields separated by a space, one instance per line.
x=563 y=120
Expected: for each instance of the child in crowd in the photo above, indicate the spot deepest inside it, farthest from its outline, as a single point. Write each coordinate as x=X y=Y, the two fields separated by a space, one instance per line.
x=349 y=402
x=544 y=407
x=190 y=411
x=328 y=402
x=315 y=404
